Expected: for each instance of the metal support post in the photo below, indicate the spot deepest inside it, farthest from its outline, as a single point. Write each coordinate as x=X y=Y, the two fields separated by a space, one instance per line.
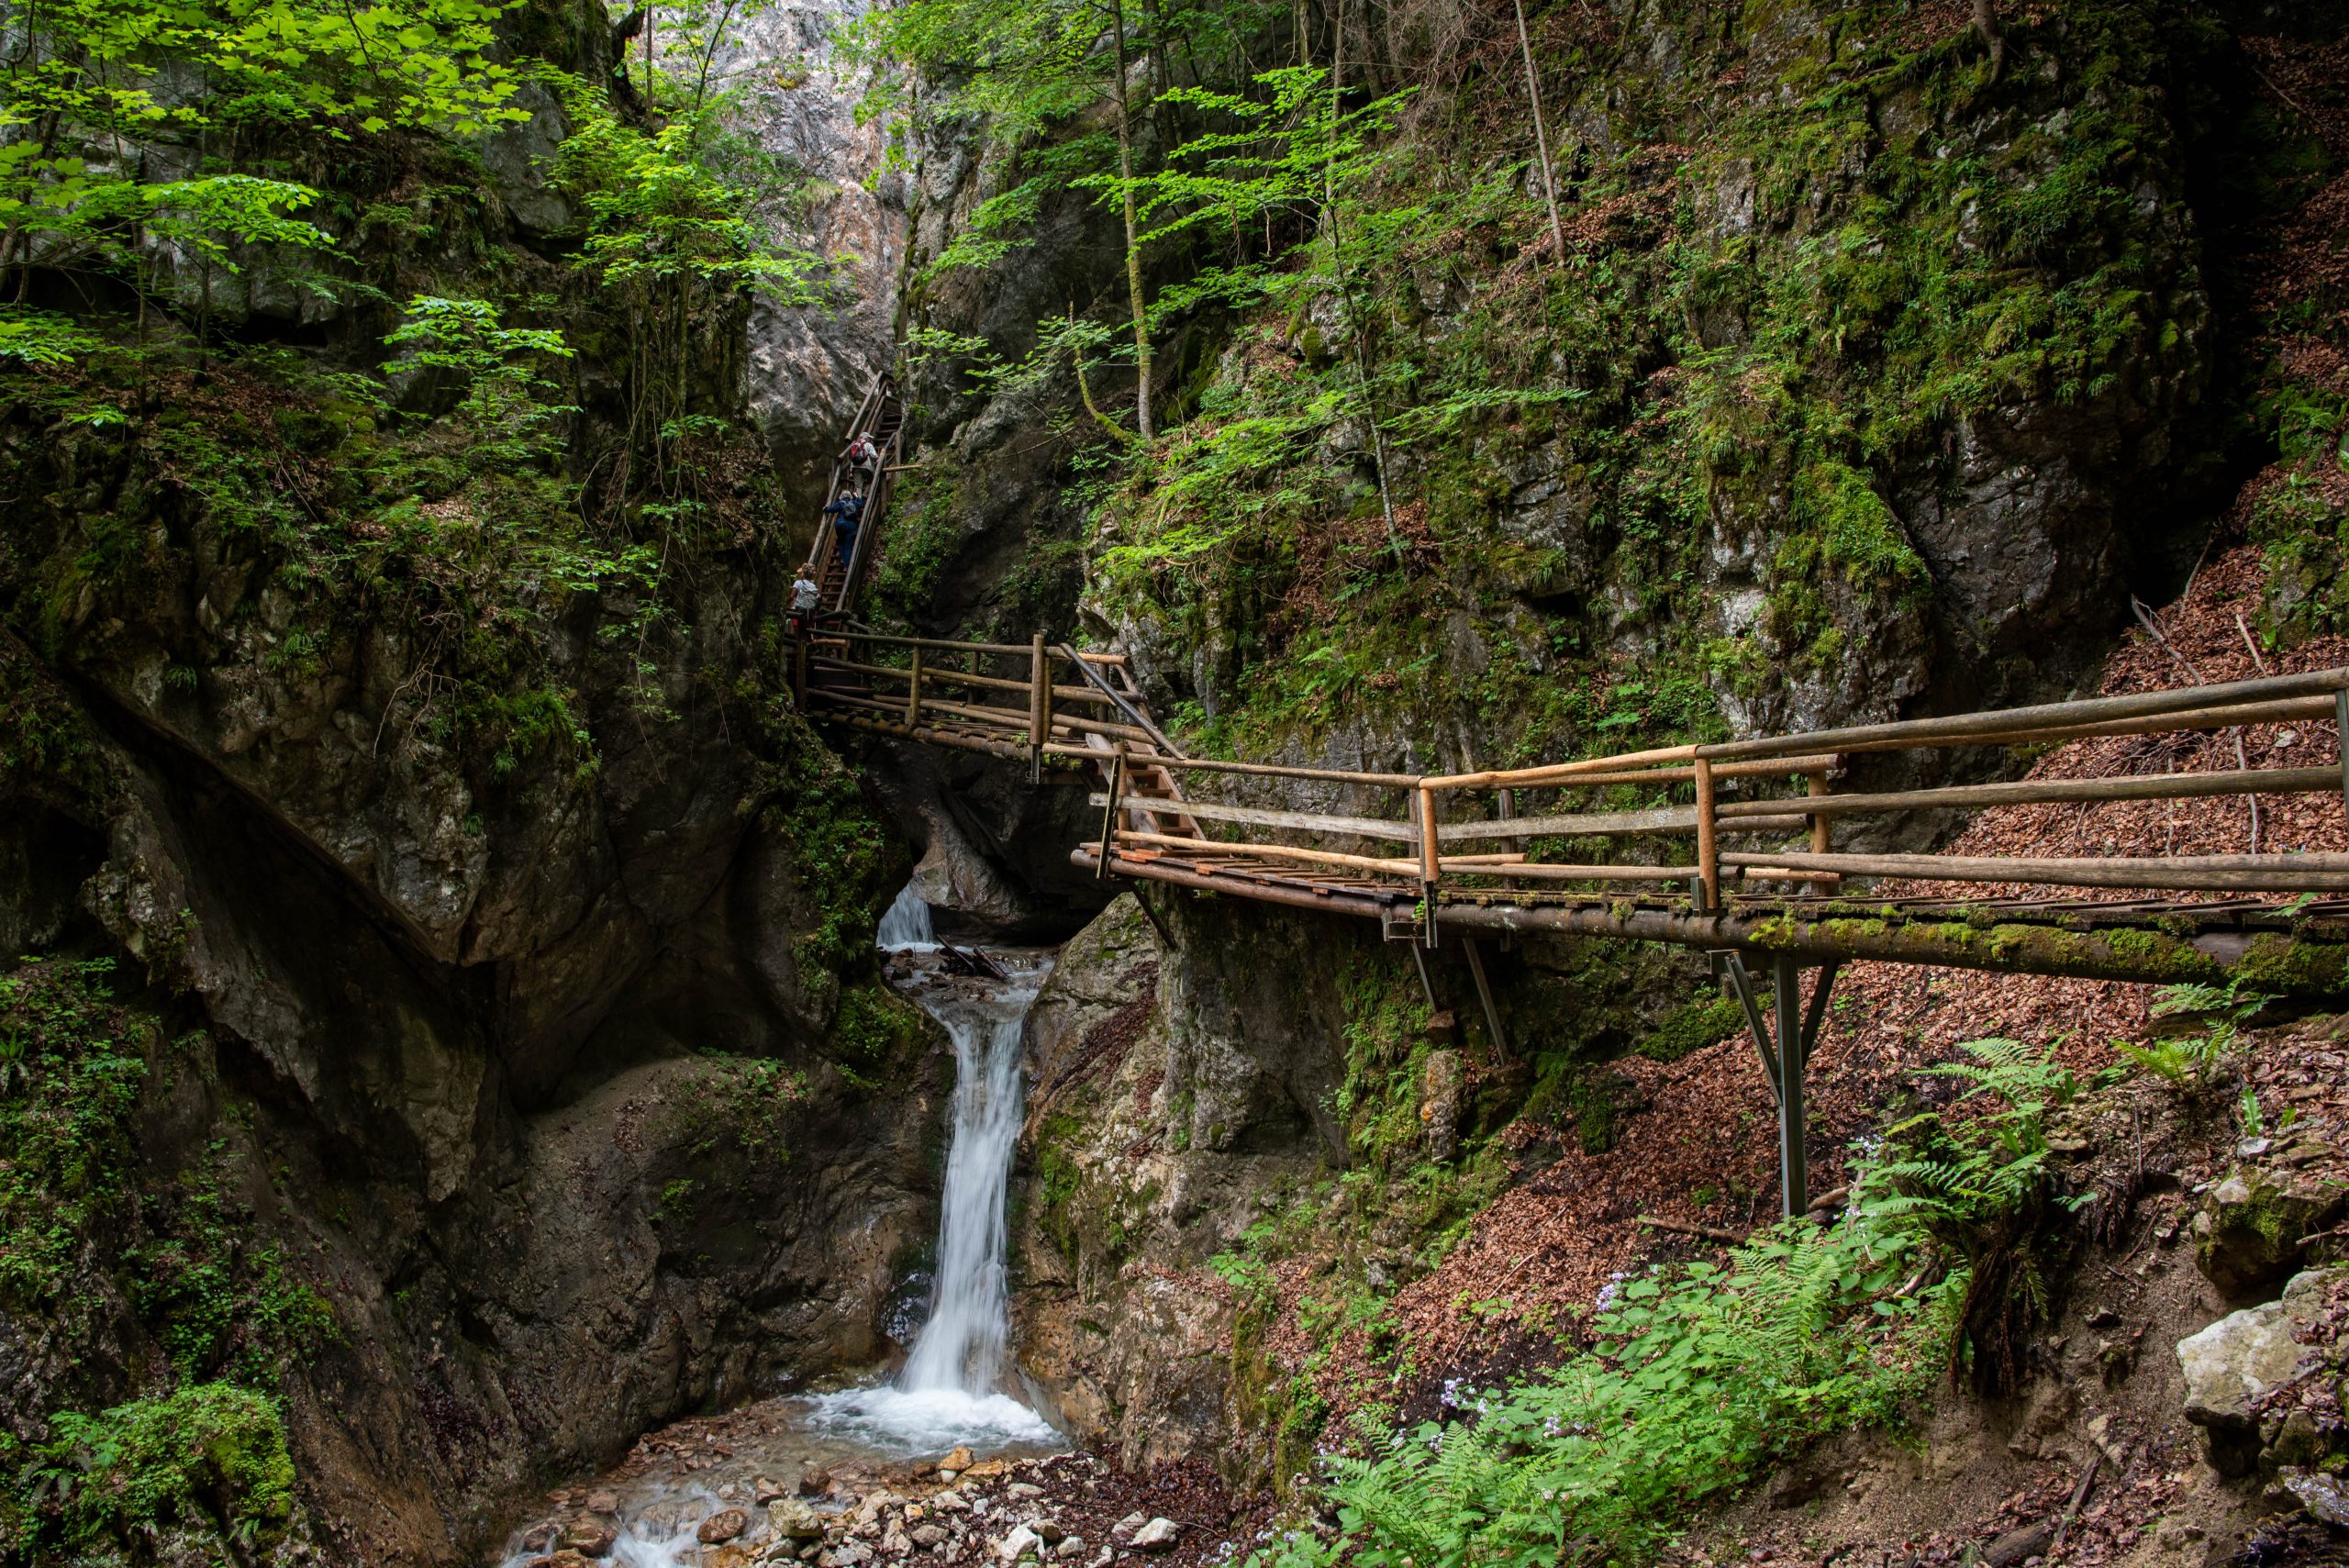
x=1485 y=995
x=1785 y=1055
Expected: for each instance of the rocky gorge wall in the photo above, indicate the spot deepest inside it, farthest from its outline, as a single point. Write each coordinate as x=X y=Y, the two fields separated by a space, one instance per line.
x=449 y=988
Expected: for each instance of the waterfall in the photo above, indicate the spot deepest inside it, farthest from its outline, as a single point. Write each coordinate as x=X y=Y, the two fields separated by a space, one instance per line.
x=905 y=928
x=962 y=1345
x=948 y=1392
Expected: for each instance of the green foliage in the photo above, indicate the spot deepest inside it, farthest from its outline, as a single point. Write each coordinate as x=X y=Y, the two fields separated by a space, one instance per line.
x=91 y=74
x=1707 y=1020
x=66 y=1151
x=2185 y=1064
x=205 y=1455
x=1695 y=1382
x=1697 y=1379
x=501 y=383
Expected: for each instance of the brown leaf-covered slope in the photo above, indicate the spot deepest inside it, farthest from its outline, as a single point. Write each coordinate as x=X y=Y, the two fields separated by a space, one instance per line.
x=1704 y=1150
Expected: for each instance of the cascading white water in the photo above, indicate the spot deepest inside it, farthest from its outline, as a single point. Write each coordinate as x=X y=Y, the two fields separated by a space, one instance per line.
x=948 y=1392
x=962 y=1345
x=905 y=925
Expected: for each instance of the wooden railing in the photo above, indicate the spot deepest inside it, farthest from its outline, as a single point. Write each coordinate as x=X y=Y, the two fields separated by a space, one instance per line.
x=843 y=671
x=1714 y=808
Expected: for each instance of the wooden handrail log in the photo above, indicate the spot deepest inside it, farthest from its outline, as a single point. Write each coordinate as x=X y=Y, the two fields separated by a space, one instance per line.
x=1302 y=821
x=1774 y=769
x=1777 y=816
x=2257 y=873
x=929 y=737
x=958 y=677
x=1276 y=769
x=1397 y=866
x=2032 y=792
x=2055 y=717
x=2275 y=699
x=891 y=640
x=1546 y=872
x=1558 y=772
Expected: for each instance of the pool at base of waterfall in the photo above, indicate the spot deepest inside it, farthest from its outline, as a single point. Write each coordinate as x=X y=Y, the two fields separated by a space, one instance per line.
x=827 y=1451
x=916 y=1423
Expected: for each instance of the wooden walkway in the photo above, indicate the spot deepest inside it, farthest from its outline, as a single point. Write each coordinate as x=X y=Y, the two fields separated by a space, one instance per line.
x=1729 y=849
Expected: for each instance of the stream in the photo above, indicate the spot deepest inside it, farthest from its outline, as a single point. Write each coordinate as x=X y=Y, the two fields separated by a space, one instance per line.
x=951 y=1393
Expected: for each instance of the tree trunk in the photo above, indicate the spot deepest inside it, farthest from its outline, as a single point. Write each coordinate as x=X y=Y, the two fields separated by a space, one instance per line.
x=1542 y=134
x=1133 y=227
x=1986 y=22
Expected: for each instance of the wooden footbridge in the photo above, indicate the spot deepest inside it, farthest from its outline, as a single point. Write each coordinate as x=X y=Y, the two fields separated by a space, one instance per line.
x=1726 y=847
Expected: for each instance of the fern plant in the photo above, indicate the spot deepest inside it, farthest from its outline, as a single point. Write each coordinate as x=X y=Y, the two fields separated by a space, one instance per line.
x=1701 y=1379
x=2187 y=1064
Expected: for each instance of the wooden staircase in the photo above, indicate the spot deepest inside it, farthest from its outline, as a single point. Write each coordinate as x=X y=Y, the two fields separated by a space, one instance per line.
x=881 y=419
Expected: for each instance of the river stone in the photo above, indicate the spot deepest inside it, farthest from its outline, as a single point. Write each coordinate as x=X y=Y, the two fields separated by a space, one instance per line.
x=1158 y=1535
x=926 y=1536
x=590 y=1538
x=957 y=1462
x=722 y=1525
x=1020 y=1542
x=794 y=1520
x=603 y=1503
x=1124 y=1528
x=2230 y=1363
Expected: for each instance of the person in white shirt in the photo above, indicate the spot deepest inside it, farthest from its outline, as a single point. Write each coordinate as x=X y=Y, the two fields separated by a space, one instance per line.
x=804 y=595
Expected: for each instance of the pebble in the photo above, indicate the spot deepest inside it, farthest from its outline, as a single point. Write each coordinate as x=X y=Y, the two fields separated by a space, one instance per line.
x=722 y=1526
x=1158 y=1535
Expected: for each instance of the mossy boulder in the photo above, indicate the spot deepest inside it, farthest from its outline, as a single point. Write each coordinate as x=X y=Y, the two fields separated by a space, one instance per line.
x=2248 y=1235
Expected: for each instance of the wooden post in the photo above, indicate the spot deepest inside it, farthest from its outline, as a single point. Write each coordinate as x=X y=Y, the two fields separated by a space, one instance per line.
x=1040 y=708
x=1428 y=862
x=1818 y=824
x=1708 y=865
x=2341 y=722
x=1110 y=817
x=913 y=692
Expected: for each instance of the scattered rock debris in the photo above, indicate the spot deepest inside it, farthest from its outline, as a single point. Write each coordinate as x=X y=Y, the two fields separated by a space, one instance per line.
x=989 y=1513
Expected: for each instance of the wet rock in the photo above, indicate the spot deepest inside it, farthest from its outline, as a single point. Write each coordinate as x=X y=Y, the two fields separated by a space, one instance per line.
x=590 y=1538
x=722 y=1526
x=1158 y=1535
x=2248 y=1233
x=764 y=1491
x=603 y=1503
x=2319 y=1494
x=1440 y=1088
x=2230 y=1363
x=815 y=1483
x=794 y=1520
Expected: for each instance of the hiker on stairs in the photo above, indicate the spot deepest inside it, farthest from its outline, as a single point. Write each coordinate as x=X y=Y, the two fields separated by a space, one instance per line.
x=804 y=595
x=849 y=511
x=864 y=461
